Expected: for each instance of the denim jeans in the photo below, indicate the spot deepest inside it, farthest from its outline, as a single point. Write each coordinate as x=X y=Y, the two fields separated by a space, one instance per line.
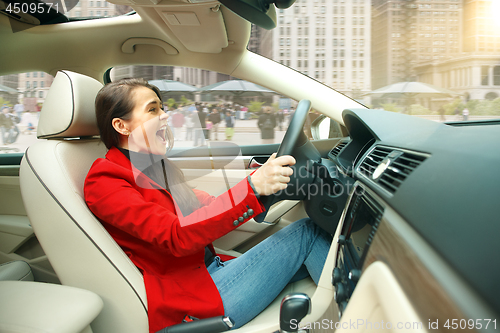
x=13 y=134
x=249 y=283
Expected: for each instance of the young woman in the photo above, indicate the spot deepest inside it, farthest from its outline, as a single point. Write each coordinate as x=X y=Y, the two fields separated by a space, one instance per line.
x=166 y=228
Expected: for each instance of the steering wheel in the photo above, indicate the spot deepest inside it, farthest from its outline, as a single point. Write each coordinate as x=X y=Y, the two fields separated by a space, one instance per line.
x=294 y=134
x=296 y=144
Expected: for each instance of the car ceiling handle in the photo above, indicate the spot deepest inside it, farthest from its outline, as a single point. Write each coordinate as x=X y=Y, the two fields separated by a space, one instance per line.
x=129 y=45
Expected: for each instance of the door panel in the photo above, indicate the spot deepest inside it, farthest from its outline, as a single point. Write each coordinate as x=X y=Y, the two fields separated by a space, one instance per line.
x=220 y=166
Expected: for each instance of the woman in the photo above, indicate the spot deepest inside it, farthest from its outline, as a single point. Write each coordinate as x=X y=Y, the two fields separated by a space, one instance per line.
x=166 y=228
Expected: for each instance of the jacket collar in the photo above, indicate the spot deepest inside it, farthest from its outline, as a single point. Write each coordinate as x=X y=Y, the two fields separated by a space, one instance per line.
x=116 y=156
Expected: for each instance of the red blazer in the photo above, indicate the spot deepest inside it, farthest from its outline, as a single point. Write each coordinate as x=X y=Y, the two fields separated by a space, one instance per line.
x=166 y=247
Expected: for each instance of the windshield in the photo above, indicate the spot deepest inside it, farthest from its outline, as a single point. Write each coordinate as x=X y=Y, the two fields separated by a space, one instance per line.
x=437 y=59
x=96 y=9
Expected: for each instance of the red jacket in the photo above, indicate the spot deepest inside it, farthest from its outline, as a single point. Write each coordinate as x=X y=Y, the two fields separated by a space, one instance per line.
x=167 y=248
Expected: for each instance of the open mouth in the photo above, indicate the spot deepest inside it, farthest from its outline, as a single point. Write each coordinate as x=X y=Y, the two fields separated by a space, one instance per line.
x=161 y=134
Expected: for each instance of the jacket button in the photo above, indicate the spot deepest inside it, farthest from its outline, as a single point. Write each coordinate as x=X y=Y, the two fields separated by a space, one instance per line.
x=235 y=223
x=241 y=219
x=250 y=212
x=245 y=215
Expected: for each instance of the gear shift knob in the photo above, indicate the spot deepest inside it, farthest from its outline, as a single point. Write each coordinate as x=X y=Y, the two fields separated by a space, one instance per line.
x=294 y=308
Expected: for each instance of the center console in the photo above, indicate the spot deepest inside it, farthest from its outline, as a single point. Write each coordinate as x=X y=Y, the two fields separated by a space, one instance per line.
x=359 y=225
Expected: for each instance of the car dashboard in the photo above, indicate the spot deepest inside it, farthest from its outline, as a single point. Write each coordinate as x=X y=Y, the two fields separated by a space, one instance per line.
x=424 y=203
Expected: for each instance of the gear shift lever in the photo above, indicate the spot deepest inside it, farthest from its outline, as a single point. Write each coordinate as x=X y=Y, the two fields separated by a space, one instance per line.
x=294 y=308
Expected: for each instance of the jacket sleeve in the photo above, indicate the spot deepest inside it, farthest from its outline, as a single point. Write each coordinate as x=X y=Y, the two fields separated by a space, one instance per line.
x=151 y=216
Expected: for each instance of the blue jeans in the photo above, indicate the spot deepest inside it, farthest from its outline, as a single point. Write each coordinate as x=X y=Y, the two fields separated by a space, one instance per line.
x=249 y=283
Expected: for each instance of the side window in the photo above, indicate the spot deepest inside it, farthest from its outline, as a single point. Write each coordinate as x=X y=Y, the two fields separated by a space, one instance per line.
x=327 y=128
x=21 y=98
x=208 y=106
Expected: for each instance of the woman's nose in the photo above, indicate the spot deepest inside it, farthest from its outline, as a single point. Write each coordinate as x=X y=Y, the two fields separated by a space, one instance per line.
x=163 y=115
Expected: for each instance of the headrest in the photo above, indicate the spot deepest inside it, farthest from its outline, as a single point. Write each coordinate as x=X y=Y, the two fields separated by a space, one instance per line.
x=68 y=110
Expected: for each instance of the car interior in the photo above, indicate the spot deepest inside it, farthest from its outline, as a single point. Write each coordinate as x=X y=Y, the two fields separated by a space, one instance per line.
x=411 y=203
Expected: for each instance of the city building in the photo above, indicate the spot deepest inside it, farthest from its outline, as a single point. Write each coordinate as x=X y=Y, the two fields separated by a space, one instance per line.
x=146 y=72
x=33 y=88
x=10 y=81
x=328 y=40
x=406 y=33
x=475 y=71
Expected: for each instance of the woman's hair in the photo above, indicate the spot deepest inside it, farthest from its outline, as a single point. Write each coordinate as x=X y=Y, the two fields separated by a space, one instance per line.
x=114 y=100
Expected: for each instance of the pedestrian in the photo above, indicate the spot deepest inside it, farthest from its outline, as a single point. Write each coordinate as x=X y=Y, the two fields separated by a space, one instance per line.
x=208 y=129
x=5 y=125
x=465 y=114
x=189 y=125
x=230 y=120
x=215 y=119
x=280 y=118
x=441 y=112
x=292 y=112
x=266 y=124
x=200 y=125
x=177 y=122
x=19 y=109
x=14 y=131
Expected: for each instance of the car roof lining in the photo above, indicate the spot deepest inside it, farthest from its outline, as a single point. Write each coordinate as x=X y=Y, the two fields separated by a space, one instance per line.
x=79 y=41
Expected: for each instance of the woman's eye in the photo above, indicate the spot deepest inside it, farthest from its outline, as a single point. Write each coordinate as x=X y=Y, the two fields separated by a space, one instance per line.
x=152 y=110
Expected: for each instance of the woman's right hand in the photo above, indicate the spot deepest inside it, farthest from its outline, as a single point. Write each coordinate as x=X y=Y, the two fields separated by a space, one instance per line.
x=274 y=175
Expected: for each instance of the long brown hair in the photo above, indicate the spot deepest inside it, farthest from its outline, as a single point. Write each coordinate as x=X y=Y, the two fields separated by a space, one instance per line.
x=115 y=100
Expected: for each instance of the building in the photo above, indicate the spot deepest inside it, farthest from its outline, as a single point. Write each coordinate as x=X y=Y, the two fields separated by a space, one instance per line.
x=328 y=40
x=10 y=81
x=96 y=8
x=474 y=72
x=33 y=86
x=406 y=33
x=146 y=72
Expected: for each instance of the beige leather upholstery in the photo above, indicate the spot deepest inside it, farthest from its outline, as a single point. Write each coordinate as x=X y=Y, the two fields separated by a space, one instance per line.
x=78 y=247
x=27 y=307
x=16 y=271
x=75 y=94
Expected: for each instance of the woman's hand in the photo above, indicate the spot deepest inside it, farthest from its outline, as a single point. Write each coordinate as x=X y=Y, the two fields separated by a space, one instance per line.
x=274 y=175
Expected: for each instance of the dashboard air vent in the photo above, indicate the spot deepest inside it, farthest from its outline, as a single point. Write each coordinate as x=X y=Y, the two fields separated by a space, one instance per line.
x=390 y=167
x=336 y=151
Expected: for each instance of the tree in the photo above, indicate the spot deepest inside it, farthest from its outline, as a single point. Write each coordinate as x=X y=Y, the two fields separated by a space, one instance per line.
x=391 y=107
x=5 y=102
x=255 y=106
x=450 y=108
x=185 y=101
x=171 y=102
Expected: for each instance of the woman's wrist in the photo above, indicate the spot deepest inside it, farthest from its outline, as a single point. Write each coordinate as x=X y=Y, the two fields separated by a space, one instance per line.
x=253 y=186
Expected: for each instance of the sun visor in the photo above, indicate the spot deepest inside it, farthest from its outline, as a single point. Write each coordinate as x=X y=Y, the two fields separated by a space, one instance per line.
x=198 y=28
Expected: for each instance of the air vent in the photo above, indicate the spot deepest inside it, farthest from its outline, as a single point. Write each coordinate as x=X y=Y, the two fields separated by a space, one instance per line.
x=390 y=167
x=336 y=151
x=373 y=160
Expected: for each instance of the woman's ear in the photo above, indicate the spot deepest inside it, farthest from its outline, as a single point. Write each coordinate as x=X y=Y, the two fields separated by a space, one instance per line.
x=120 y=126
